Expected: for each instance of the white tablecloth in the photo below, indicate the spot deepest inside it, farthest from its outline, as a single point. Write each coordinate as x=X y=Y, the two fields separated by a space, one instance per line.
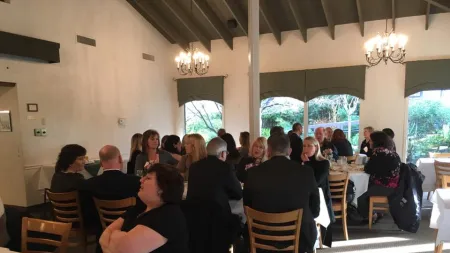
x=361 y=181
x=426 y=166
x=440 y=215
x=237 y=207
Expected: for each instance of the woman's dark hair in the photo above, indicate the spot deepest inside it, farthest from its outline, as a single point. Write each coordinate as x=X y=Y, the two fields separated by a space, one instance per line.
x=338 y=135
x=170 y=143
x=68 y=155
x=244 y=137
x=231 y=146
x=147 y=134
x=381 y=140
x=163 y=141
x=389 y=132
x=170 y=182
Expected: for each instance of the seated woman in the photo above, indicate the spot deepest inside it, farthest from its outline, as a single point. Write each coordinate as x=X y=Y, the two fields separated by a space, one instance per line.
x=343 y=146
x=244 y=140
x=136 y=149
x=159 y=226
x=173 y=146
x=384 y=170
x=233 y=156
x=257 y=156
x=151 y=153
x=195 y=150
x=71 y=160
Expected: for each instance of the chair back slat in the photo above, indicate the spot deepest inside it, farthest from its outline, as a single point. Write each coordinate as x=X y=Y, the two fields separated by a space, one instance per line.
x=338 y=186
x=47 y=227
x=110 y=210
x=441 y=168
x=66 y=207
x=266 y=224
x=446 y=181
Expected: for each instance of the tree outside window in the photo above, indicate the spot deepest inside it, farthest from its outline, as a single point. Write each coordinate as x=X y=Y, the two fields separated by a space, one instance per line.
x=203 y=117
x=280 y=111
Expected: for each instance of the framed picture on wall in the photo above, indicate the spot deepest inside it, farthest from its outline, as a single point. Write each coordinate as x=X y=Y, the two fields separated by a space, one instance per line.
x=5 y=121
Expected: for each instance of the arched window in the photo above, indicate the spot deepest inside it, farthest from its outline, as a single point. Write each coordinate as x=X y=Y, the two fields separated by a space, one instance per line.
x=335 y=111
x=280 y=111
x=428 y=124
x=203 y=117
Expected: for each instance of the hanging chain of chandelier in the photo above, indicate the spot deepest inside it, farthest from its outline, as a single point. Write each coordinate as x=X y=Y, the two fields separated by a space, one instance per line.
x=387 y=46
x=192 y=61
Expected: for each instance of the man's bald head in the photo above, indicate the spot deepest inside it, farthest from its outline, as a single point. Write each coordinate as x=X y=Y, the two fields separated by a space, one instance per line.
x=110 y=157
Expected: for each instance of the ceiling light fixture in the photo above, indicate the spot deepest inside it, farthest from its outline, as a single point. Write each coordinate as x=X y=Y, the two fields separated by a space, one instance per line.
x=192 y=60
x=386 y=46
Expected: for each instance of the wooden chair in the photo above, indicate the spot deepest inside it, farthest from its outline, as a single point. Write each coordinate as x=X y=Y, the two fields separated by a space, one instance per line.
x=255 y=220
x=66 y=208
x=48 y=227
x=445 y=181
x=377 y=200
x=111 y=210
x=441 y=168
x=439 y=155
x=338 y=189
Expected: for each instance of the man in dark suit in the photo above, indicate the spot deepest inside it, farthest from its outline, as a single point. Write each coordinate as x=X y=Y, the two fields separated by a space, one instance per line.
x=113 y=184
x=296 y=142
x=326 y=146
x=280 y=185
x=212 y=184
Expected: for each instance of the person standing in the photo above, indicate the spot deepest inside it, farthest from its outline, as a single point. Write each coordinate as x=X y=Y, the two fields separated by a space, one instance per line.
x=296 y=142
x=365 y=145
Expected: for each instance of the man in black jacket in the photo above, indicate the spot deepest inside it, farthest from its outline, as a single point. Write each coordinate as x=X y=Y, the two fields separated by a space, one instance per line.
x=326 y=147
x=280 y=185
x=113 y=184
x=296 y=142
x=212 y=184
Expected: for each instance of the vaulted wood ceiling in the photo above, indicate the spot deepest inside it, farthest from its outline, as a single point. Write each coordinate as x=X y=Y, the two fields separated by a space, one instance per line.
x=185 y=21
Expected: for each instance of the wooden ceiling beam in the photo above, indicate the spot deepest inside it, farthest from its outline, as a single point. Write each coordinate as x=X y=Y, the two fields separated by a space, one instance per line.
x=187 y=23
x=268 y=17
x=360 y=16
x=427 y=17
x=295 y=9
x=215 y=22
x=329 y=17
x=238 y=15
x=153 y=16
x=439 y=5
x=393 y=15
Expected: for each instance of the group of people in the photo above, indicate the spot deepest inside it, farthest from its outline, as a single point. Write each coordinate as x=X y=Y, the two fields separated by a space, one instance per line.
x=274 y=175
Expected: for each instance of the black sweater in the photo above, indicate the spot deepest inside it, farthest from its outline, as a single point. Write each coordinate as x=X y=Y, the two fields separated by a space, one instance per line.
x=321 y=172
x=344 y=147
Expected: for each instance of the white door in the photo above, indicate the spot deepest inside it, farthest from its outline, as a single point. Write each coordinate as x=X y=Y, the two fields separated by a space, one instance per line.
x=12 y=182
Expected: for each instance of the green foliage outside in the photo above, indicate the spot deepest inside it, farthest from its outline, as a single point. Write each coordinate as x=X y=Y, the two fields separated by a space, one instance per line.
x=428 y=128
x=203 y=117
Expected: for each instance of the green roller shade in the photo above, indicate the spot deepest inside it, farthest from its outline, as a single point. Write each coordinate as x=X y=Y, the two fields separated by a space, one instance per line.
x=427 y=75
x=283 y=84
x=201 y=88
x=333 y=81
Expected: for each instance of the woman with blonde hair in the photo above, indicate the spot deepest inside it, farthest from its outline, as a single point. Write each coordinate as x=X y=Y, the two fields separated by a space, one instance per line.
x=195 y=150
x=312 y=157
x=135 y=150
x=257 y=156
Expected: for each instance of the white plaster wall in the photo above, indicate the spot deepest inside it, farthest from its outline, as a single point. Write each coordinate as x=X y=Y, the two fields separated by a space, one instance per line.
x=81 y=98
x=384 y=104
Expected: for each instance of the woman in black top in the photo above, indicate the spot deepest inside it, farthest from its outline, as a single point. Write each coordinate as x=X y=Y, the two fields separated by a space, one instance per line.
x=136 y=149
x=343 y=146
x=71 y=160
x=311 y=156
x=173 y=146
x=233 y=156
x=159 y=226
x=257 y=156
x=244 y=140
x=365 y=145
